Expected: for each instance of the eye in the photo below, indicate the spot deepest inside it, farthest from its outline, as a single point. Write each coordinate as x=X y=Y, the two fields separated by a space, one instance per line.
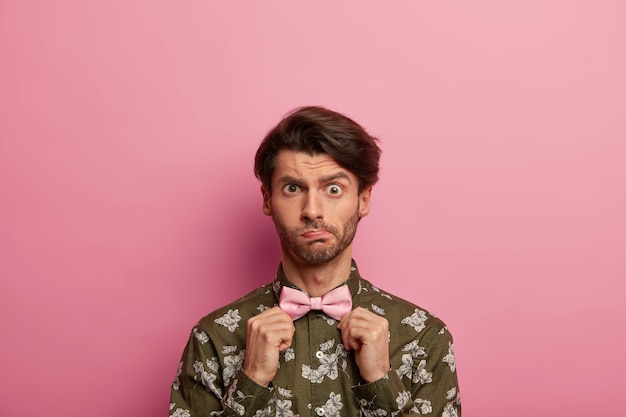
x=291 y=188
x=334 y=189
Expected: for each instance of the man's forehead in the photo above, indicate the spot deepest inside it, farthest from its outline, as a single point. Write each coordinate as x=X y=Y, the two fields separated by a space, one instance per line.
x=303 y=160
x=301 y=164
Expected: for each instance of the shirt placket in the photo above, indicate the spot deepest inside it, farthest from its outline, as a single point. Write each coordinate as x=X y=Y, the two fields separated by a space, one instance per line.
x=320 y=333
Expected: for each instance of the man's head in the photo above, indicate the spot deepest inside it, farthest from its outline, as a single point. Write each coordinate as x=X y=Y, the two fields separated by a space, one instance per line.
x=317 y=169
x=317 y=130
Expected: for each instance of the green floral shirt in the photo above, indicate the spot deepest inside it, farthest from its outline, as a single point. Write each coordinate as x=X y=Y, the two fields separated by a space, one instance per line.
x=316 y=375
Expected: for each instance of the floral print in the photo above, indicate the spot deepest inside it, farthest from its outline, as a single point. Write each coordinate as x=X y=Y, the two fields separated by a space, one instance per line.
x=230 y=320
x=449 y=358
x=403 y=399
x=369 y=409
x=421 y=375
x=333 y=406
x=201 y=336
x=423 y=406
x=179 y=412
x=232 y=365
x=329 y=363
x=207 y=377
x=417 y=320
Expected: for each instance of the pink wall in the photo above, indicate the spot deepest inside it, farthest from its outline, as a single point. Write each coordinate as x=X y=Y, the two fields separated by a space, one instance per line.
x=129 y=208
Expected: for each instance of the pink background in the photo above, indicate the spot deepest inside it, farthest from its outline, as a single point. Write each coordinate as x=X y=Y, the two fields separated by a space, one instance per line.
x=129 y=208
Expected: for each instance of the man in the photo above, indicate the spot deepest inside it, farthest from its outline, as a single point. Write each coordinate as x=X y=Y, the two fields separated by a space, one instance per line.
x=320 y=340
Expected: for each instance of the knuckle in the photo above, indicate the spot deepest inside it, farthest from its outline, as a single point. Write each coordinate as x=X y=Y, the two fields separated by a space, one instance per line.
x=253 y=324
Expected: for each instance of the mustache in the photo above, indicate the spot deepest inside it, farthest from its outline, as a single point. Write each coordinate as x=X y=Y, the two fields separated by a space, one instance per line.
x=317 y=225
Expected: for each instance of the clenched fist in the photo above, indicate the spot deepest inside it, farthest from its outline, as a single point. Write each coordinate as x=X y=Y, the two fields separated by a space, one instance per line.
x=269 y=333
x=367 y=335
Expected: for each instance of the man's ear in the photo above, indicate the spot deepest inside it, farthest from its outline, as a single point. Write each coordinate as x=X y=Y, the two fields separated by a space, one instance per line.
x=267 y=205
x=364 y=202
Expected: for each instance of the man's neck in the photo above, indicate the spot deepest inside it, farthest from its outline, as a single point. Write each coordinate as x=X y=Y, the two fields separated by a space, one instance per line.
x=318 y=279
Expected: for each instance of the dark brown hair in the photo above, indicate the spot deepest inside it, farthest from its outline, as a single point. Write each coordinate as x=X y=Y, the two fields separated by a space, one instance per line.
x=317 y=130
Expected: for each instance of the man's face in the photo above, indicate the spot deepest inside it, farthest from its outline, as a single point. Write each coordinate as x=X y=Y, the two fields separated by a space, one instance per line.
x=315 y=205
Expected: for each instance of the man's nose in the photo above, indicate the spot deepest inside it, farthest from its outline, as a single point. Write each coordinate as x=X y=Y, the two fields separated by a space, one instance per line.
x=312 y=209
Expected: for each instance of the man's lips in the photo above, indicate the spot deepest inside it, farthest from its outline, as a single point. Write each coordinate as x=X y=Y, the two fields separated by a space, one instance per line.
x=316 y=234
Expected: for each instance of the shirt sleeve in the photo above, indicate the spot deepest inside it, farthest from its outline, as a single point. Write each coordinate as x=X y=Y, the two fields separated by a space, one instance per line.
x=435 y=386
x=387 y=396
x=430 y=388
x=199 y=389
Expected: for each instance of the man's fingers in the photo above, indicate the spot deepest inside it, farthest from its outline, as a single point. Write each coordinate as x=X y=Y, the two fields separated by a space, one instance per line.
x=361 y=327
x=269 y=333
x=367 y=334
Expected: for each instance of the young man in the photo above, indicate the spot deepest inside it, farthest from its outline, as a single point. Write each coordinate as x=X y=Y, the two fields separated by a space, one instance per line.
x=320 y=340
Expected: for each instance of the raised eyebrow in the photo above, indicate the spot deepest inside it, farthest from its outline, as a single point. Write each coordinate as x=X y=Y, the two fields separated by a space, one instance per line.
x=287 y=179
x=335 y=177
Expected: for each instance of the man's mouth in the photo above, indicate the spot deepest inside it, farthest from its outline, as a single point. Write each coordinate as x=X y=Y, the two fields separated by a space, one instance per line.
x=316 y=234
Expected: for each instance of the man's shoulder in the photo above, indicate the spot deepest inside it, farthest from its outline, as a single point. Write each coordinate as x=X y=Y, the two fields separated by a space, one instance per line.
x=370 y=293
x=239 y=311
x=398 y=310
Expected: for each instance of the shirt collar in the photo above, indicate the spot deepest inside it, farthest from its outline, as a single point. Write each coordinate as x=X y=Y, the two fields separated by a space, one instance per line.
x=281 y=280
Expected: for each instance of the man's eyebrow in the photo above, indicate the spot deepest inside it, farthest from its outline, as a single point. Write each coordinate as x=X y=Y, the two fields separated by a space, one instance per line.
x=337 y=176
x=287 y=179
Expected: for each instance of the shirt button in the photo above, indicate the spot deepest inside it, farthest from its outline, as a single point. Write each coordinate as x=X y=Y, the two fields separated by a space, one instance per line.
x=319 y=411
x=319 y=354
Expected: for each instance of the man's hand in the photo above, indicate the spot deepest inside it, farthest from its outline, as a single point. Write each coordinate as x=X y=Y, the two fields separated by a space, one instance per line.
x=269 y=333
x=367 y=334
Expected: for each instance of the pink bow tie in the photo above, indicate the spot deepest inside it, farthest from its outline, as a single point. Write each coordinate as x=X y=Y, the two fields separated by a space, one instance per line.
x=335 y=303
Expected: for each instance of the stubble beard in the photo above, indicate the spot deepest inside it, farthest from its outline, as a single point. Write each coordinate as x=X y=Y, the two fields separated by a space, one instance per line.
x=309 y=252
